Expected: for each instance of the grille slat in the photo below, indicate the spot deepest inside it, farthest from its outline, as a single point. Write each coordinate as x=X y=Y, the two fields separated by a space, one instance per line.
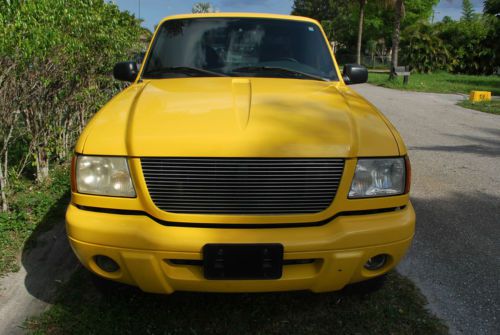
x=249 y=174
x=248 y=169
x=236 y=202
x=231 y=195
x=271 y=182
x=260 y=178
x=237 y=161
x=242 y=185
x=324 y=186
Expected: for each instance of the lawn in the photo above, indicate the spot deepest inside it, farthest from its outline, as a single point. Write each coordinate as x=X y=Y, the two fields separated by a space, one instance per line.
x=34 y=209
x=441 y=82
x=87 y=306
x=492 y=107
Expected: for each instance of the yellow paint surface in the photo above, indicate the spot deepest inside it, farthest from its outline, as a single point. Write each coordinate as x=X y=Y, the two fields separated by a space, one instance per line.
x=476 y=96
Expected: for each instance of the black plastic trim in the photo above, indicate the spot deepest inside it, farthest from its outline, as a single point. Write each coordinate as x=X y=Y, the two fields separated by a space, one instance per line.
x=199 y=262
x=238 y=225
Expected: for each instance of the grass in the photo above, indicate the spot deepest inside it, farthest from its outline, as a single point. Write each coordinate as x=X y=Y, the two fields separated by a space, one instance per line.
x=85 y=307
x=33 y=210
x=441 y=82
x=492 y=107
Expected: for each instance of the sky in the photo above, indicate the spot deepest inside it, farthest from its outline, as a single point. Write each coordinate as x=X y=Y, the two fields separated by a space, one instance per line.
x=453 y=8
x=152 y=11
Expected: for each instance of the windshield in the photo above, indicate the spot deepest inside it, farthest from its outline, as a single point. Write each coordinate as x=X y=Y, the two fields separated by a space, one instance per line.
x=240 y=47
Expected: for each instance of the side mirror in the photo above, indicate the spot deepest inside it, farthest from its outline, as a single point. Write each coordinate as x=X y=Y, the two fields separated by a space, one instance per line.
x=355 y=74
x=125 y=71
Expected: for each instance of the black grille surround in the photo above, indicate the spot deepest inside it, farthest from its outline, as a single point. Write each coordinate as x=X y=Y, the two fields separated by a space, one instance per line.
x=242 y=186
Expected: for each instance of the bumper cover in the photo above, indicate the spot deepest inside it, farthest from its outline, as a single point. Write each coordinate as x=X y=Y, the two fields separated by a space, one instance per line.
x=144 y=250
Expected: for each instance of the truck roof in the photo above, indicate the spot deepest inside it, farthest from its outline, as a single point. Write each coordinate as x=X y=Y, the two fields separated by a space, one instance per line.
x=237 y=15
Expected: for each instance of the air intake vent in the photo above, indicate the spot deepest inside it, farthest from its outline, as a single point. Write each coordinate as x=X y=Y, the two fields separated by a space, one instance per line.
x=242 y=185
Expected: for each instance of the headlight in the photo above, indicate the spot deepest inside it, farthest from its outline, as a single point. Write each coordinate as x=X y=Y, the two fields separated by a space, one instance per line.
x=377 y=177
x=103 y=176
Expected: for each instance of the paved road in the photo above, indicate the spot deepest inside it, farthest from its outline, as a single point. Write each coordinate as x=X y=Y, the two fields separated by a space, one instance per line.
x=455 y=155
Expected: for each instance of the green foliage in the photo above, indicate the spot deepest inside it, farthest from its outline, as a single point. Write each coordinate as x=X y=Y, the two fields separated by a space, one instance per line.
x=56 y=58
x=468 y=46
x=338 y=18
x=320 y=10
x=418 y=10
x=203 y=7
x=472 y=44
x=60 y=55
x=335 y=16
x=423 y=50
x=89 y=31
x=467 y=10
x=492 y=7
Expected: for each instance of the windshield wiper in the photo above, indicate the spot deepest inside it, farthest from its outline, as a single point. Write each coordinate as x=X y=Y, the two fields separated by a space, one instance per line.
x=274 y=69
x=184 y=70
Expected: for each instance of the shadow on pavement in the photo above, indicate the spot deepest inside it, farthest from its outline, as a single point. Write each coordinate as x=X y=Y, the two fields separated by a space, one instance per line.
x=484 y=146
x=47 y=256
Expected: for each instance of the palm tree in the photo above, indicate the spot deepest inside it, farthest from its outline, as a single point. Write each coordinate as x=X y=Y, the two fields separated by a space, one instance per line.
x=399 y=8
x=424 y=49
x=203 y=7
x=362 y=5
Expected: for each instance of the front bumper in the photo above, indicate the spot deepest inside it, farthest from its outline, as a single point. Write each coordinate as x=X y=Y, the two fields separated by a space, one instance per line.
x=144 y=249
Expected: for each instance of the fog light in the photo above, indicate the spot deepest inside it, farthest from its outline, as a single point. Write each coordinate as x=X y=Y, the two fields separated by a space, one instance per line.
x=376 y=262
x=106 y=264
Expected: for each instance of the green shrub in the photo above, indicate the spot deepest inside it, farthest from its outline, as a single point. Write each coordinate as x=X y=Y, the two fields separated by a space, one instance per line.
x=423 y=50
x=471 y=44
x=467 y=46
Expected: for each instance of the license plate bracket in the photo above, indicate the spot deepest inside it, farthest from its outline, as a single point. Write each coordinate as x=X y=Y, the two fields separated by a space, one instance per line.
x=243 y=261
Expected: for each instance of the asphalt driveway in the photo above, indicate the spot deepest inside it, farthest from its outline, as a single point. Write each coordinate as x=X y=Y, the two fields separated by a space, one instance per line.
x=455 y=155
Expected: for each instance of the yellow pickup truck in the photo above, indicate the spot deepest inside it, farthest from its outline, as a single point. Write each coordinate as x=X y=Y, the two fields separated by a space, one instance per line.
x=239 y=160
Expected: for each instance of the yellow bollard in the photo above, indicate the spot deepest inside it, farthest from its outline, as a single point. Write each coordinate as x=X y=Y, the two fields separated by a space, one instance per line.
x=476 y=96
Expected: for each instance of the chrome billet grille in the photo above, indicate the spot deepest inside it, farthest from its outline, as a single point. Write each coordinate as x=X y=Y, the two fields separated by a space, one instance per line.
x=242 y=185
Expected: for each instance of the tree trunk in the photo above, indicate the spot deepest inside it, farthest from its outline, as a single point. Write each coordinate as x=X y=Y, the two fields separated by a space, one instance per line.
x=396 y=34
x=4 y=164
x=3 y=184
x=362 y=4
x=42 y=164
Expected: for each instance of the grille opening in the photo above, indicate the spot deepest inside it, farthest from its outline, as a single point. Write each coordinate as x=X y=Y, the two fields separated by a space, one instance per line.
x=242 y=185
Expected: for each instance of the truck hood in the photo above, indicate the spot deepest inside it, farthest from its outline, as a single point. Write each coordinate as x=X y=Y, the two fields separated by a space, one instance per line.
x=238 y=117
